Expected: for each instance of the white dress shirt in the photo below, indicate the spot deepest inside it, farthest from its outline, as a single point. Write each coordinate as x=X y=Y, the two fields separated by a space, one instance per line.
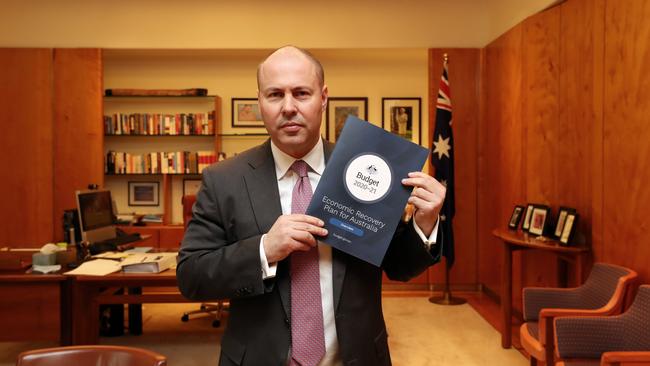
x=286 y=181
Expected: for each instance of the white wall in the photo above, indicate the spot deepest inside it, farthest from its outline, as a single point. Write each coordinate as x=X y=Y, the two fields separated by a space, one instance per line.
x=373 y=73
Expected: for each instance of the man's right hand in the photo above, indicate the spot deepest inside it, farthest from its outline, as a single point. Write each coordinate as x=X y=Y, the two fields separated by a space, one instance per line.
x=290 y=233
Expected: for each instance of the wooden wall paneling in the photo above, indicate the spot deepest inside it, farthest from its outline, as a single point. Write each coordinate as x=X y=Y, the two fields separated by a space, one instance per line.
x=30 y=311
x=540 y=114
x=26 y=140
x=579 y=173
x=464 y=77
x=626 y=152
x=78 y=127
x=501 y=182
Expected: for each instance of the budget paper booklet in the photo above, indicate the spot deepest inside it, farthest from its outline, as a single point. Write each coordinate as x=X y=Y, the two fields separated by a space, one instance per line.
x=360 y=196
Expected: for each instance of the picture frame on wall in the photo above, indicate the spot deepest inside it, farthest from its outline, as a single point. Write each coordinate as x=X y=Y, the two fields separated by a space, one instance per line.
x=144 y=193
x=402 y=116
x=569 y=229
x=525 y=225
x=191 y=186
x=538 y=220
x=338 y=110
x=561 y=219
x=246 y=113
x=516 y=217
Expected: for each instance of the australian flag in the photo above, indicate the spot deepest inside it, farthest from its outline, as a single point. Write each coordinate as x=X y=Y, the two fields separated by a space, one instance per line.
x=442 y=158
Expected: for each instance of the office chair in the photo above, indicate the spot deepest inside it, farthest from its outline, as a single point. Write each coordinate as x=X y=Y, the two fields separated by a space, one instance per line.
x=603 y=293
x=94 y=355
x=606 y=340
x=220 y=306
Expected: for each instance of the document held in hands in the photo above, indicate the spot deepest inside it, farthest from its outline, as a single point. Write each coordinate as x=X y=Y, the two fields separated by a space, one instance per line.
x=360 y=196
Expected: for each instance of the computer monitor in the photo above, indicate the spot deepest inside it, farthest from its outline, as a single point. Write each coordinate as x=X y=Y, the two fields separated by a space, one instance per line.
x=96 y=215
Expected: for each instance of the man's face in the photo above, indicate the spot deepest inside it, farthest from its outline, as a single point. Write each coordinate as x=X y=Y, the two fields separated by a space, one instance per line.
x=291 y=101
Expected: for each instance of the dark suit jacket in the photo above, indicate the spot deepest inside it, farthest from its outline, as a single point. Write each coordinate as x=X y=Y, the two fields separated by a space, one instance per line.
x=219 y=259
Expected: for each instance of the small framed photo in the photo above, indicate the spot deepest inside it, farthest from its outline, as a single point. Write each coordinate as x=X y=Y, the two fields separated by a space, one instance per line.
x=538 y=220
x=515 y=217
x=191 y=186
x=246 y=113
x=525 y=225
x=144 y=194
x=402 y=116
x=569 y=228
x=561 y=219
x=338 y=110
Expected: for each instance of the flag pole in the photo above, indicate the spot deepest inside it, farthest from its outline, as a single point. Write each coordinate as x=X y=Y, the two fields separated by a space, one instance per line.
x=447 y=298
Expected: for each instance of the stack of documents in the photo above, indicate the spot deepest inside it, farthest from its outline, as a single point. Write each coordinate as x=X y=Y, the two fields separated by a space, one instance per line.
x=126 y=262
x=148 y=262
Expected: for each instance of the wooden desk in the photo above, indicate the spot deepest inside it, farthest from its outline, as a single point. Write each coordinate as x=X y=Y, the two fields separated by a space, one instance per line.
x=88 y=292
x=34 y=307
x=518 y=240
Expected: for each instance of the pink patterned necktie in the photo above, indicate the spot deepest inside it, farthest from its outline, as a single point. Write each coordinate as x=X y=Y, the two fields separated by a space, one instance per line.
x=307 y=333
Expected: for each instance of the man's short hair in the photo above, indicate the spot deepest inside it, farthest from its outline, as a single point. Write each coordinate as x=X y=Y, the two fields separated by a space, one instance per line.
x=320 y=73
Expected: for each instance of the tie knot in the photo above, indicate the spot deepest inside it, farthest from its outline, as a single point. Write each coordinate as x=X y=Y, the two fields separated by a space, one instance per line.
x=299 y=167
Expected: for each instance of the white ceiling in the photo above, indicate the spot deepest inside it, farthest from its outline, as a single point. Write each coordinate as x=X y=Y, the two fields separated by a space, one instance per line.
x=250 y=24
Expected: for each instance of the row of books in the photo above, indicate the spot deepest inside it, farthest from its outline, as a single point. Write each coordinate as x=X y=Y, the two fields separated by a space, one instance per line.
x=159 y=124
x=177 y=162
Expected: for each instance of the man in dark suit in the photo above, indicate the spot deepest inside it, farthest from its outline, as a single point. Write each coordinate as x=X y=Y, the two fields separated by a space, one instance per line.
x=245 y=237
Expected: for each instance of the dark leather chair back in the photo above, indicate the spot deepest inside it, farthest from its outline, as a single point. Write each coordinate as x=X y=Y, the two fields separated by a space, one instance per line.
x=95 y=355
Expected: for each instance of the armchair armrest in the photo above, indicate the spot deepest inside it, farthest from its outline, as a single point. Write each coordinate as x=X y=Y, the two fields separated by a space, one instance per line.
x=615 y=358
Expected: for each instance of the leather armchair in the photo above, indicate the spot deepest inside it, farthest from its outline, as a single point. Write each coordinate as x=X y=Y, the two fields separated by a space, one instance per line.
x=95 y=355
x=603 y=293
x=217 y=308
x=611 y=340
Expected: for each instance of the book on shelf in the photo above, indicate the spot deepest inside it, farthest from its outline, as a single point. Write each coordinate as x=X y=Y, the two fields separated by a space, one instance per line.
x=148 y=262
x=156 y=124
x=192 y=92
x=177 y=162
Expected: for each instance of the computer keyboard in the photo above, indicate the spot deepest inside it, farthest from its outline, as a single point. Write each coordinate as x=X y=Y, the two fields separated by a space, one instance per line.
x=117 y=243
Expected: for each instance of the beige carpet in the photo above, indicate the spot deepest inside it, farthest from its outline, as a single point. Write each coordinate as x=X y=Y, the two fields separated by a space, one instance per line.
x=420 y=333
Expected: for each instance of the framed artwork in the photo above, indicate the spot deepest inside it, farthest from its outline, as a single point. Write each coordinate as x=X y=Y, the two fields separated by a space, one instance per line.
x=569 y=228
x=246 y=113
x=515 y=217
x=525 y=225
x=144 y=194
x=538 y=220
x=191 y=186
x=338 y=110
x=561 y=219
x=402 y=117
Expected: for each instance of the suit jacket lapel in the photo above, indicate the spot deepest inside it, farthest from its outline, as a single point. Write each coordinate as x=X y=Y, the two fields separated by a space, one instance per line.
x=262 y=186
x=338 y=258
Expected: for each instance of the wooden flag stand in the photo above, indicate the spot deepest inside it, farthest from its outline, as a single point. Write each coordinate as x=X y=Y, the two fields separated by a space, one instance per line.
x=447 y=298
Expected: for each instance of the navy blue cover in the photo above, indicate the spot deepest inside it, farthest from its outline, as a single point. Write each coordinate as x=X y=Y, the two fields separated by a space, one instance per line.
x=361 y=228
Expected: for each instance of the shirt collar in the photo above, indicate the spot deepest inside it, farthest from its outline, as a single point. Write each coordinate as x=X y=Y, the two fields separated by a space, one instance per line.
x=314 y=158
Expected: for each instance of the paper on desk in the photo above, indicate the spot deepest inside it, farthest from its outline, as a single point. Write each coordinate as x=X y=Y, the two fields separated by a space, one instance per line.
x=139 y=250
x=111 y=255
x=96 y=267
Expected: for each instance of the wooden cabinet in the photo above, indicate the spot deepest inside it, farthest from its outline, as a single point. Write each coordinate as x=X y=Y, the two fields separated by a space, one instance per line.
x=161 y=236
x=52 y=146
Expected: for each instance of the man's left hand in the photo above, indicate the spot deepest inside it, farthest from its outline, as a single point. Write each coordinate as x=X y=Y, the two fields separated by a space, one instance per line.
x=428 y=196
